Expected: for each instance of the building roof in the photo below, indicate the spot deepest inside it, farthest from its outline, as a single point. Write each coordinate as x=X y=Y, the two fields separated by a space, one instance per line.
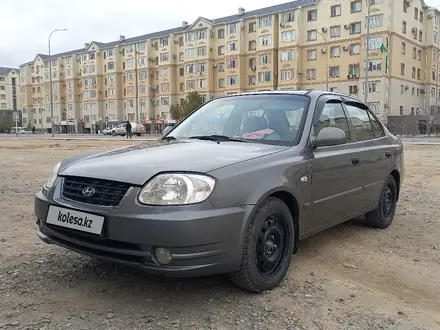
x=4 y=71
x=223 y=20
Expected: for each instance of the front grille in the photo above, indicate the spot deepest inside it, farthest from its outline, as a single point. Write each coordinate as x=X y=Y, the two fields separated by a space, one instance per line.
x=106 y=193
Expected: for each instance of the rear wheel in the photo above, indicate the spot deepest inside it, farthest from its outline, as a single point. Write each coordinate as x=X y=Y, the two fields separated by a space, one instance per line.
x=268 y=247
x=383 y=215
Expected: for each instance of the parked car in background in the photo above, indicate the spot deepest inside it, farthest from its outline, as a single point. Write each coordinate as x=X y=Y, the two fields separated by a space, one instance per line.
x=232 y=188
x=138 y=129
x=106 y=131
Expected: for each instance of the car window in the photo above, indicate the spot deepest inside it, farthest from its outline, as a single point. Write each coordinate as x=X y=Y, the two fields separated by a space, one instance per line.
x=263 y=117
x=333 y=116
x=362 y=128
x=377 y=127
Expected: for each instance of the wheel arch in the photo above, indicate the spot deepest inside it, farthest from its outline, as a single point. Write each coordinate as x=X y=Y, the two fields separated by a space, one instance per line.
x=396 y=176
x=289 y=198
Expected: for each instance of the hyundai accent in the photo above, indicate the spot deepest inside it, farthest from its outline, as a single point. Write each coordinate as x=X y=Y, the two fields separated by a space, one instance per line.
x=231 y=189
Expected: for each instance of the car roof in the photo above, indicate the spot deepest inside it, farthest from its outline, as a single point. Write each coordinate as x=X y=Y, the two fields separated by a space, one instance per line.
x=312 y=93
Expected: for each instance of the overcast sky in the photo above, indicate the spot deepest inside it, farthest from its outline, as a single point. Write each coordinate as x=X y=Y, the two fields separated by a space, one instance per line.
x=27 y=25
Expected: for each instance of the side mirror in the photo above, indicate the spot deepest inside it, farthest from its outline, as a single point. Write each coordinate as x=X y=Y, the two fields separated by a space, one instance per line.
x=166 y=130
x=330 y=136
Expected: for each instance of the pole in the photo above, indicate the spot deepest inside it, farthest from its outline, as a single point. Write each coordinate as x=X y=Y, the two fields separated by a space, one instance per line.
x=136 y=82
x=50 y=79
x=367 y=48
x=16 y=122
x=326 y=60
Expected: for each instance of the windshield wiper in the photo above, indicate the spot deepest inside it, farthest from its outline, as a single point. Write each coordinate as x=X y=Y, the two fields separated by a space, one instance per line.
x=219 y=138
x=169 y=138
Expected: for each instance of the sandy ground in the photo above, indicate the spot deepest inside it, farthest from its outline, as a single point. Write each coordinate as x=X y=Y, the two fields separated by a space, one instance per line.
x=348 y=277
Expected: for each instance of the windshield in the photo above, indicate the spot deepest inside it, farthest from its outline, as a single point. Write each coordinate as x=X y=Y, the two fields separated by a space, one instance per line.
x=265 y=118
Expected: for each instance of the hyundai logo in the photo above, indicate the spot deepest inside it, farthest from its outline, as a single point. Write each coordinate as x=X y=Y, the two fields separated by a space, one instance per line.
x=88 y=191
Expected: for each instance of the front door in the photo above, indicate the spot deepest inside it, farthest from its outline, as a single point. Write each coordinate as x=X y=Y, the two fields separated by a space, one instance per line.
x=336 y=172
x=377 y=151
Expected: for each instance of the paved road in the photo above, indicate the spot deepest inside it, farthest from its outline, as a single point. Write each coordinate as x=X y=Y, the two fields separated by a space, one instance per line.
x=147 y=137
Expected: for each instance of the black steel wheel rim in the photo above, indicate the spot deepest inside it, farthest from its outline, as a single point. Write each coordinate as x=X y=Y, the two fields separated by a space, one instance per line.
x=388 y=200
x=271 y=245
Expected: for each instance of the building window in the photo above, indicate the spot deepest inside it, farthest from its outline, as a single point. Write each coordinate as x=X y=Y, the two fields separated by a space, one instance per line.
x=311 y=35
x=334 y=71
x=311 y=74
x=355 y=49
x=335 y=10
x=265 y=21
x=374 y=43
x=232 y=28
x=221 y=83
x=164 y=57
x=221 y=50
x=287 y=74
x=355 y=6
x=374 y=65
x=403 y=48
x=311 y=55
x=252 y=80
x=232 y=80
x=335 y=51
x=402 y=69
x=252 y=27
x=288 y=55
x=221 y=33
x=355 y=28
x=265 y=59
x=312 y=15
x=252 y=45
x=403 y=27
x=288 y=36
x=232 y=46
x=231 y=63
x=335 y=31
x=288 y=17
x=376 y=21
x=264 y=77
x=266 y=40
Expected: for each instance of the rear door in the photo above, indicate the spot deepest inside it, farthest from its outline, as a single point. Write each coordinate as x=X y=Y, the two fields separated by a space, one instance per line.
x=336 y=172
x=377 y=151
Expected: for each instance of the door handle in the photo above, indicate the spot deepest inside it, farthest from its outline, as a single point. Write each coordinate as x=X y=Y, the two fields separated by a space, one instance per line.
x=355 y=160
x=387 y=154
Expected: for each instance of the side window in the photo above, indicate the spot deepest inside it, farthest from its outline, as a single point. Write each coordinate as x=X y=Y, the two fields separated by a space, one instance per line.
x=362 y=128
x=377 y=127
x=333 y=116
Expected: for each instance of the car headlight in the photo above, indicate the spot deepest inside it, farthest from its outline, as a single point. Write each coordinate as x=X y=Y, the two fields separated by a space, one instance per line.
x=177 y=189
x=52 y=177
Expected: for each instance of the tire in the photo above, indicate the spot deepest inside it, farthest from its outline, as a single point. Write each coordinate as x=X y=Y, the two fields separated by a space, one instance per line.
x=272 y=216
x=113 y=133
x=383 y=215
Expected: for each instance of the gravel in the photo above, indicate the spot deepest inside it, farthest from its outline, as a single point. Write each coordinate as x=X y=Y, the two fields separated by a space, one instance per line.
x=348 y=277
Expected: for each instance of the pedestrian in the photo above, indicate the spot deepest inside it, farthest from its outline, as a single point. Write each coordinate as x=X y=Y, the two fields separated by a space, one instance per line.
x=128 y=128
x=33 y=129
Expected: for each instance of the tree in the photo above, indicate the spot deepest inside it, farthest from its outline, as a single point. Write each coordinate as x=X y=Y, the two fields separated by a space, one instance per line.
x=188 y=105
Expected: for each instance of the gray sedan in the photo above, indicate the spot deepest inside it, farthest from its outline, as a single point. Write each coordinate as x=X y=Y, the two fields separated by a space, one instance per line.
x=232 y=189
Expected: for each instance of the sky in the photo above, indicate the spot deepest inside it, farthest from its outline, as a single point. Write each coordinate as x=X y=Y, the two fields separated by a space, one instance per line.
x=29 y=25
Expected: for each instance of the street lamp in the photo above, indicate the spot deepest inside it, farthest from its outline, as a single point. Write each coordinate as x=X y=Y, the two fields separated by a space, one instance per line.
x=50 y=77
x=326 y=59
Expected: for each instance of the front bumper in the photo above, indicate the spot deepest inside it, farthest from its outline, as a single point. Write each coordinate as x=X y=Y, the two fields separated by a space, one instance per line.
x=202 y=240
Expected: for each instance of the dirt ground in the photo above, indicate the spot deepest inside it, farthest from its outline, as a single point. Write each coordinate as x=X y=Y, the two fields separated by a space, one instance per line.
x=348 y=277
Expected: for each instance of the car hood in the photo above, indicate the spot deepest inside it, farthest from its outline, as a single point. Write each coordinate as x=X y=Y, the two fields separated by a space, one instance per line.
x=137 y=164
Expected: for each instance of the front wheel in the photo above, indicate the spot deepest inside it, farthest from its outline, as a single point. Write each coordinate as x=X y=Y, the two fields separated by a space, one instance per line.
x=383 y=215
x=268 y=247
